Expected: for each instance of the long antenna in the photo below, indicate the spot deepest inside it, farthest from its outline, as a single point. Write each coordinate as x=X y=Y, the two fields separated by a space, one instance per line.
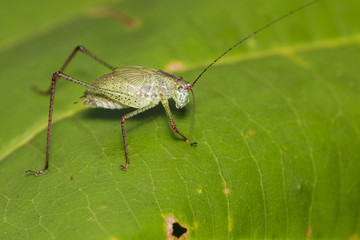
x=251 y=35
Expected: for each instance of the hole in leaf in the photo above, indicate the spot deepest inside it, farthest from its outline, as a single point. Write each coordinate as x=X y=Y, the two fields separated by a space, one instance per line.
x=174 y=229
x=178 y=230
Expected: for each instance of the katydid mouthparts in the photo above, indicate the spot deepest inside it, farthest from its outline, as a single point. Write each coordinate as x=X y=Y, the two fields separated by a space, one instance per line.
x=134 y=87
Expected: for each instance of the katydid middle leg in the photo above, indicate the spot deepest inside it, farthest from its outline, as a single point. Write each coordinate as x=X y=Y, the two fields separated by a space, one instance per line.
x=127 y=116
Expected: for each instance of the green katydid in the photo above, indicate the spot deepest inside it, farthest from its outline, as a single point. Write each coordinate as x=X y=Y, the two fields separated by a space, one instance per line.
x=135 y=87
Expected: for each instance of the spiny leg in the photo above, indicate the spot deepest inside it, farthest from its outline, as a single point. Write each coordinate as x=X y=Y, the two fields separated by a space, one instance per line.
x=127 y=116
x=81 y=49
x=52 y=90
x=172 y=123
x=56 y=75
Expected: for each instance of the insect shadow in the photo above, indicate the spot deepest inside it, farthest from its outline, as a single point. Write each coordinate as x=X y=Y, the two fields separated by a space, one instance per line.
x=100 y=113
x=137 y=121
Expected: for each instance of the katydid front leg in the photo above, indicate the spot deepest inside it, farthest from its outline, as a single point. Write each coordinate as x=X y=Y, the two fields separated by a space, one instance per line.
x=172 y=123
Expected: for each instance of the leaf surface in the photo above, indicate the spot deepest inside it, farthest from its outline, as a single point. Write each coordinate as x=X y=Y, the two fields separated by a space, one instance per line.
x=277 y=122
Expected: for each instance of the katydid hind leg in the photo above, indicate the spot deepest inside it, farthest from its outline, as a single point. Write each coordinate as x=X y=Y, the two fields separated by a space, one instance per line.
x=125 y=117
x=55 y=76
x=172 y=123
x=52 y=91
x=68 y=60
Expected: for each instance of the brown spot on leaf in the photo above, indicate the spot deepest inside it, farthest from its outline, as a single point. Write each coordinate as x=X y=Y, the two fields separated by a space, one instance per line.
x=226 y=191
x=308 y=233
x=122 y=17
x=354 y=237
x=175 y=66
x=174 y=229
x=250 y=133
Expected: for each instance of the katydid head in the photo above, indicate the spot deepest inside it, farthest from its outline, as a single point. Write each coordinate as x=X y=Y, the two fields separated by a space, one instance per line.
x=181 y=93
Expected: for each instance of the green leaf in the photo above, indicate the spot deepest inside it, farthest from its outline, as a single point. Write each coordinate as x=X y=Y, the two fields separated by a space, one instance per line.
x=277 y=122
